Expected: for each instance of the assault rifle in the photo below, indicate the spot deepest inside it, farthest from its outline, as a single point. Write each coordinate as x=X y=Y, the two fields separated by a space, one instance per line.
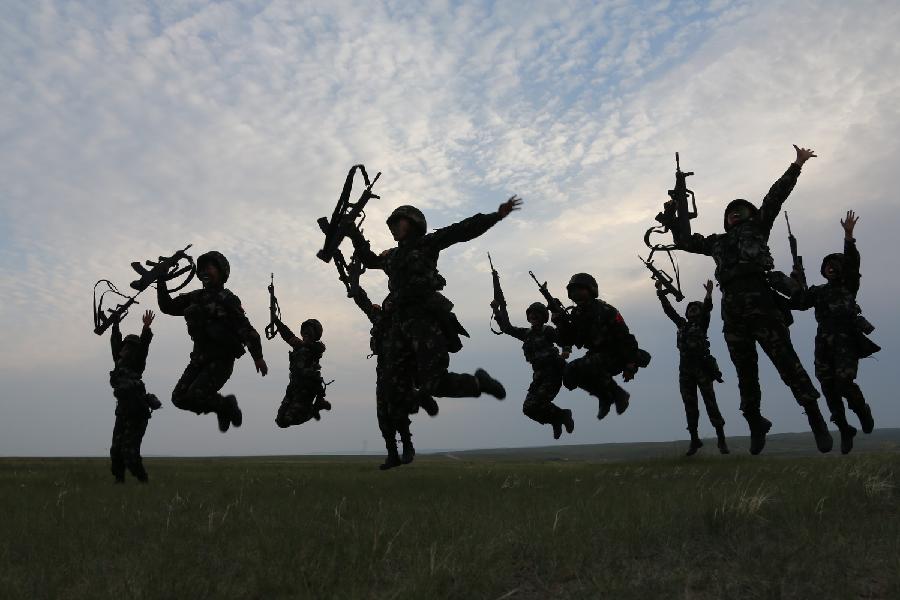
x=271 y=329
x=166 y=268
x=556 y=307
x=799 y=273
x=348 y=273
x=343 y=221
x=666 y=282
x=499 y=302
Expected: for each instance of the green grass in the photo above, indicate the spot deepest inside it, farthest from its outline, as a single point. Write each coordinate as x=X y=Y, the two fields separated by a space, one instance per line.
x=708 y=527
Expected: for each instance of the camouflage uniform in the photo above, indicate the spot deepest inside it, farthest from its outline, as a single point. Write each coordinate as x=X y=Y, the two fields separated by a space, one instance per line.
x=752 y=312
x=420 y=321
x=697 y=367
x=839 y=342
x=219 y=328
x=539 y=347
x=304 y=397
x=132 y=402
x=611 y=347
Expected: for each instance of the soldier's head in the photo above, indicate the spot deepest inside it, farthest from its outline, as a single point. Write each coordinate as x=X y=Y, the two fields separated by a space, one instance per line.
x=407 y=222
x=311 y=330
x=693 y=311
x=582 y=287
x=833 y=267
x=129 y=349
x=213 y=269
x=739 y=211
x=537 y=314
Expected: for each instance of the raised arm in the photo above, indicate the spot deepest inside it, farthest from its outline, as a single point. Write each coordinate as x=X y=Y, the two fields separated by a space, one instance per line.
x=361 y=298
x=781 y=189
x=669 y=309
x=707 y=305
x=169 y=305
x=851 y=253
x=363 y=250
x=287 y=335
x=115 y=340
x=502 y=318
x=471 y=228
x=147 y=333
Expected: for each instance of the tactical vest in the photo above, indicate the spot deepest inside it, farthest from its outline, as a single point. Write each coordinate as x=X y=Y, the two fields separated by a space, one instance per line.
x=209 y=322
x=836 y=308
x=412 y=271
x=304 y=362
x=539 y=348
x=692 y=340
x=741 y=252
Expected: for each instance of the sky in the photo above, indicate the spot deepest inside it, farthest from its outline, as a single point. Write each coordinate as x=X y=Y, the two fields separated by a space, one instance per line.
x=131 y=129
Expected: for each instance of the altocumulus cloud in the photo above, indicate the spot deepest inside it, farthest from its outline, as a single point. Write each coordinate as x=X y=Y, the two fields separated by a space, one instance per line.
x=130 y=129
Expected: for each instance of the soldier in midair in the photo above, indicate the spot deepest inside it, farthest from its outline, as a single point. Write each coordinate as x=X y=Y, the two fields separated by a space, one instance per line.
x=220 y=331
x=751 y=311
x=420 y=318
x=697 y=367
x=611 y=348
x=133 y=403
x=304 y=398
x=841 y=336
x=539 y=343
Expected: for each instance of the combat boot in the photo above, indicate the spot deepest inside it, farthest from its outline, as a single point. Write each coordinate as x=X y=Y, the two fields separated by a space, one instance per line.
x=695 y=444
x=153 y=402
x=393 y=459
x=603 y=406
x=119 y=479
x=847 y=435
x=223 y=415
x=409 y=452
x=557 y=429
x=819 y=427
x=621 y=400
x=865 y=417
x=567 y=421
x=235 y=416
x=319 y=405
x=428 y=404
x=722 y=444
x=489 y=385
x=759 y=427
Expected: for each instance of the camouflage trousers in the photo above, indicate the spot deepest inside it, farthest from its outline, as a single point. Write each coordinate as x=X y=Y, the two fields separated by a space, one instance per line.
x=422 y=338
x=594 y=373
x=125 y=451
x=836 y=365
x=198 y=388
x=742 y=334
x=395 y=397
x=689 y=381
x=297 y=406
x=538 y=405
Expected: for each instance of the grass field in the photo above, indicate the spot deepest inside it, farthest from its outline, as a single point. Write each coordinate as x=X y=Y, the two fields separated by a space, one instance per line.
x=708 y=527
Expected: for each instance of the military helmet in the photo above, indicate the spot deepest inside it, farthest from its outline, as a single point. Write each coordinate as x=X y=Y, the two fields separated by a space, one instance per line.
x=835 y=257
x=586 y=281
x=312 y=328
x=736 y=203
x=540 y=309
x=693 y=304
x=413 y=214
x=218 y=259
x=131 y=339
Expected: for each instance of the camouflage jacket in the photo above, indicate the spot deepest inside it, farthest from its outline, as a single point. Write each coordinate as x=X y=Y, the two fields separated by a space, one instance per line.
x=835 y=303
x=600 y=328
x=304 y=357
x=411 y=267
x=693 y=339
x=136 y=362
x=539 y=345
x=742 y=255
x=376 y=318
x=215 y=320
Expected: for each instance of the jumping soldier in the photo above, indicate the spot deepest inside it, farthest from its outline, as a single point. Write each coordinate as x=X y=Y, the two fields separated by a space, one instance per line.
x=697 y=367
x=304 y=398
x=420 y=318
x=220 y=330
x=611 y=348
x=841 y=336
x=751 y=311
x=133 y=403
x=539 y=345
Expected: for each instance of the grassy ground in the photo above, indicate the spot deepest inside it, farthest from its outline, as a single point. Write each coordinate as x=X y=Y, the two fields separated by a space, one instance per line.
x=708 y=527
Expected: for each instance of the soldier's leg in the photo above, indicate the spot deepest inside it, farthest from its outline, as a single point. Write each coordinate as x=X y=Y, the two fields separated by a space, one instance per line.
x=775 y=340
x=592 y=374
x=409 y=452
x=198 y=388
x=846 y=368
x=432 y=359
x=117 y=462
x=742 y=349
x=295 y=408
x=385 y=417
x=135 y=427
x=687 y=384
x=712 y=411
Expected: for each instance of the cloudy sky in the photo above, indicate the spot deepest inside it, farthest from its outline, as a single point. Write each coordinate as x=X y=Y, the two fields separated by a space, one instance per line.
x=130 y=129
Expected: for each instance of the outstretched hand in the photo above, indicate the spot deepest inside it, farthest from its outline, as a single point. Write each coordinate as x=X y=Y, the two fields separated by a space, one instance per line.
x=803 y=155
x=849 y=223
x=514 y=203
x=708 y=286
x=261 y=366
x=148 y=318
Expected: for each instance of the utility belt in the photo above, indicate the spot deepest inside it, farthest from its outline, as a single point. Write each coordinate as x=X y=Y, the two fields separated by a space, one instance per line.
x=436 y=306
x=775 y=284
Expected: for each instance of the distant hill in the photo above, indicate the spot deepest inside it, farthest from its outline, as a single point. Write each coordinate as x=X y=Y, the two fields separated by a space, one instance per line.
x=780 y=444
